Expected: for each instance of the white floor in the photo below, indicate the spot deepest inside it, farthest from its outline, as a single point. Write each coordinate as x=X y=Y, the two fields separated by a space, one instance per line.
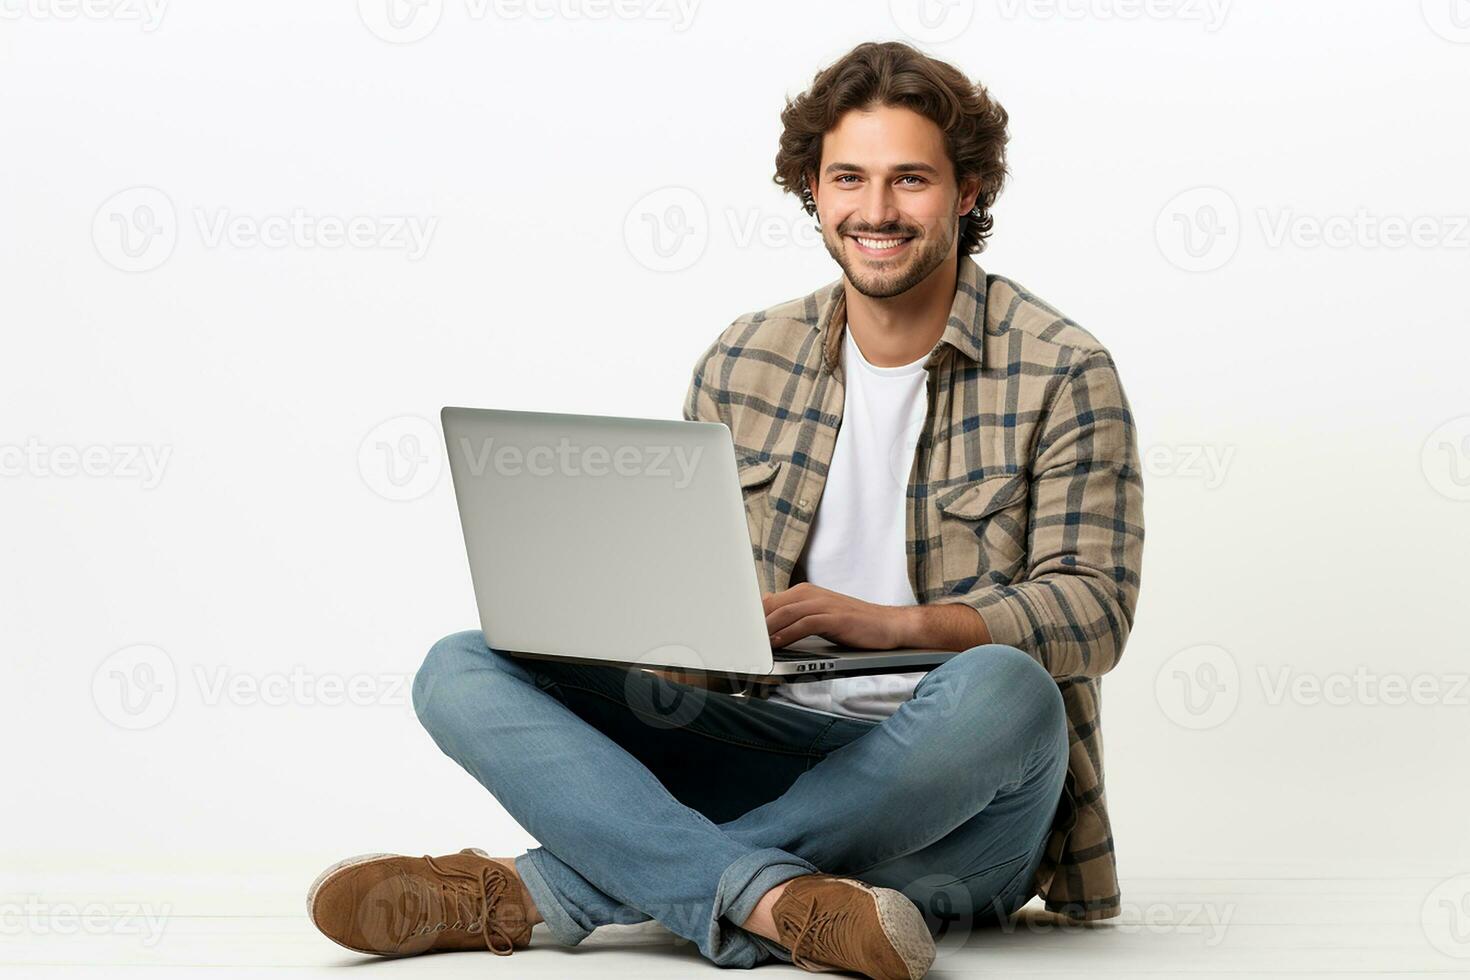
x=1171 y=927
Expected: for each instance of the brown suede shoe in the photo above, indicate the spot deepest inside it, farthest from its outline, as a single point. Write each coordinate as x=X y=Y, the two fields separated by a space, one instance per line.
x=394 y=905
x=832 y=923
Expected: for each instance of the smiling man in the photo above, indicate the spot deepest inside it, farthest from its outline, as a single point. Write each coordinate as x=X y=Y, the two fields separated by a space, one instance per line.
x=930 y=457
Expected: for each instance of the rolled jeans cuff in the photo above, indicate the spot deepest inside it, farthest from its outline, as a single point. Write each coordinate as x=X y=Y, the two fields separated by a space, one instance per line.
x=564 y=930
x=741 y=888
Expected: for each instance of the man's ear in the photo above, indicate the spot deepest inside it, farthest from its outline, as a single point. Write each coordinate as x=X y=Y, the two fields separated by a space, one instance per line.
x=969 y=194
x=811 y=184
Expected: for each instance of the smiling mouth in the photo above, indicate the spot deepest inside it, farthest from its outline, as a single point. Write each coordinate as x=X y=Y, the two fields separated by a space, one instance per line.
x=880 y=246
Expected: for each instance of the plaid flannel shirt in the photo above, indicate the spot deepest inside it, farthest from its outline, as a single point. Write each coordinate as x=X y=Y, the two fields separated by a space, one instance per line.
x=1025 y=500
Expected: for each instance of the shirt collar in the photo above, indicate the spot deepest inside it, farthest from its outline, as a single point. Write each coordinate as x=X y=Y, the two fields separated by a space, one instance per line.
x=965 y=330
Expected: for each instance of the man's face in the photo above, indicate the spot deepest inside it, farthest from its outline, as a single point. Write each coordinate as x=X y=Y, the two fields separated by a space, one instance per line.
x=887 y=199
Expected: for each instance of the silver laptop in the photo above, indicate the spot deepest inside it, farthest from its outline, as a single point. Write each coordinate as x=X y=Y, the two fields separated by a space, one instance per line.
x=620 y=540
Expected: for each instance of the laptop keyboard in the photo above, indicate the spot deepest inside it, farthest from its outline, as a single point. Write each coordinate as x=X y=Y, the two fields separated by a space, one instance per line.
x=791 y=655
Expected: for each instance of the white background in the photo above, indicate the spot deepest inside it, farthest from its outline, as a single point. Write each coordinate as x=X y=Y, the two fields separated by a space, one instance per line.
x=1328 y=537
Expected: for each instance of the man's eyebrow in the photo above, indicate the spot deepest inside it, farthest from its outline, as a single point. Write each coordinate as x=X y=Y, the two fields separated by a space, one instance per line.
x=922 y=168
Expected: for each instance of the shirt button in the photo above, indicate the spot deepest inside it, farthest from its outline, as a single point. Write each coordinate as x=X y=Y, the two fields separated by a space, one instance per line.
x=801 y=502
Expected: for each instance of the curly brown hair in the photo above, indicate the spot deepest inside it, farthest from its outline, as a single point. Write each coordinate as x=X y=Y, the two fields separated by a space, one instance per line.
x=891 y=73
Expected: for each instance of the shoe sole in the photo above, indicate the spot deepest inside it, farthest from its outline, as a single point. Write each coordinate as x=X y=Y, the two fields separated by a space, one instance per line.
x=903 y=926
x=344 y=865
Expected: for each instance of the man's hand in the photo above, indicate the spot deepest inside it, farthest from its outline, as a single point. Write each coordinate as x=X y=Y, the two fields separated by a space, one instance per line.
x=809 y=610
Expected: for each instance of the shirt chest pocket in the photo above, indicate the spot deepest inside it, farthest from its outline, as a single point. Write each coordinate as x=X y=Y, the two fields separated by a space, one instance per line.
x=982 y=531
x=757 y=481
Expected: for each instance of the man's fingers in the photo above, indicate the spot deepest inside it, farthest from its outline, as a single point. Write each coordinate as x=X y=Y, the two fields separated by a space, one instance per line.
x=783 y=616
x=797 y=592
x=818 y=624
x=775 y=600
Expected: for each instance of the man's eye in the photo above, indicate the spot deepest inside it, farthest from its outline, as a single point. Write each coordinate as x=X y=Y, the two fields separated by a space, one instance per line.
x=913 y=177
x=842 y=177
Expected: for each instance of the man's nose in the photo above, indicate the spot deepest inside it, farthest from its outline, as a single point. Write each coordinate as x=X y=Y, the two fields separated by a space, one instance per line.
x=878 y=207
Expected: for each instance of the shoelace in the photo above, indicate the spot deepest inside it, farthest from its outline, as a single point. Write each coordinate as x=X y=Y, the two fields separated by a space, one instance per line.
x=472 y=903
x=812 y=933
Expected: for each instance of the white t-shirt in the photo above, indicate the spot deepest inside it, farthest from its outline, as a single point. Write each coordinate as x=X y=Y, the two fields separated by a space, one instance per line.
x=856 y=544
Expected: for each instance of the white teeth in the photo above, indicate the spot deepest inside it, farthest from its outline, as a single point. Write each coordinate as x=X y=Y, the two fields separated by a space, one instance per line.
x=880 y=243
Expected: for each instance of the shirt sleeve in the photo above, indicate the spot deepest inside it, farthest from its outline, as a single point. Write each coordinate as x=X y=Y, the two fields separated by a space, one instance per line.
x=1074 y=608
x=699 y=402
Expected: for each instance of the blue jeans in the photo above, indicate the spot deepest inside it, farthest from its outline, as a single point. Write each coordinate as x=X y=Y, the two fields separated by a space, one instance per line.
x=660 y=800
